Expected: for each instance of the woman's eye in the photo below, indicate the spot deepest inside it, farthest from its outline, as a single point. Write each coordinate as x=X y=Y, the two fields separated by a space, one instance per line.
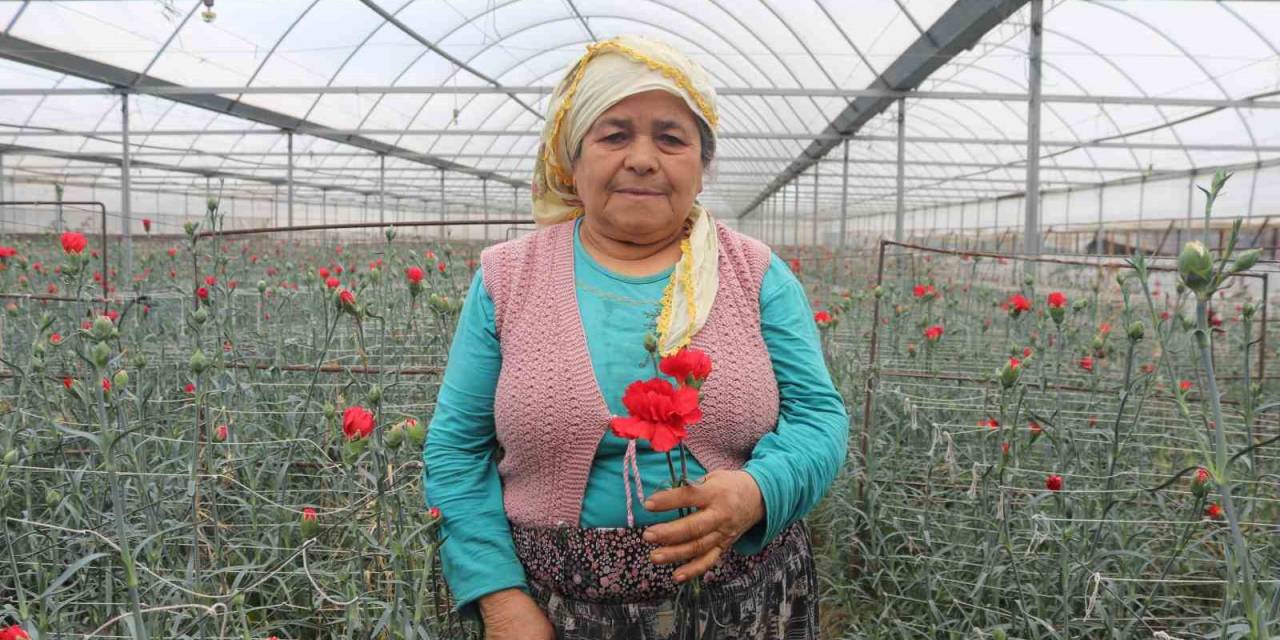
x=672 y=140
x=615 y=137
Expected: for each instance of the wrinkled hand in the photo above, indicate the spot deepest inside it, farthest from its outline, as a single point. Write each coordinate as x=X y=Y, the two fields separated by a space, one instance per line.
x=512 y=615
x=727 y=502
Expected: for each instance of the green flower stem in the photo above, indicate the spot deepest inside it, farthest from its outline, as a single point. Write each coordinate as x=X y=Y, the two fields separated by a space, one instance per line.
x=117 y=502
x=1114 y=456
x=1222 y=477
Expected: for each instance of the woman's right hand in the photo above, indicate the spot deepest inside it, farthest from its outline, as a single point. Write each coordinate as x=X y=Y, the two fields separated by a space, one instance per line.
x=512 y=614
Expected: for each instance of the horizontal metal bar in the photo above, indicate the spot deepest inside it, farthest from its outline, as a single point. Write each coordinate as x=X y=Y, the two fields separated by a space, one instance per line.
x=1256 y=102
x=728 y=135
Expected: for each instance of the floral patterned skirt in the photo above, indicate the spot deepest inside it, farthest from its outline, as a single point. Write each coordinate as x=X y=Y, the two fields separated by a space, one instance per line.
x=600 y=584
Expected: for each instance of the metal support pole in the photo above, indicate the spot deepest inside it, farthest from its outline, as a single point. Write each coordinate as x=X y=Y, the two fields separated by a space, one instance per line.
x=126 y=192
x=844 y=195
x=442 y=205
x=815 y=206
x=902 y=175
x=484 y=199
x=324 y=212
x=275 y=205
x=2 y=194
x=1098 y=240
x=289 y=180
x=795 y=214
x=382 y=188
x=1031 y=241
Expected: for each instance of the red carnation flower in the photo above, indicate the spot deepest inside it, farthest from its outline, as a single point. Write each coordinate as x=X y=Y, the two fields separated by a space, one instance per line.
x=1057 y=300
x=357 y=423
x=822 y=318
x=67 y=381
x=73 y=242
x=414 y=274
x=190 y=388
x=146 y=225
x=990 y=423
x=1053 y=483
x=9 y=252
x=1018 y=304
x=55 y=338
x=309 y=514
x=332 y=283
x=933 y=333
x=1185 y=385
x=440 y=266
x=689 y=367
x=1086 y=363
x=434 y=512
x=220 y=434
x=1213 y=511
x=324 y=273
x=13 y=632
x=659 y=413
x=202 y=293
x=173 y=251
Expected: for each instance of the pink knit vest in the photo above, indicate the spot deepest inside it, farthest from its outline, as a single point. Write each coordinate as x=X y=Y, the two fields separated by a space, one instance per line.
x=548 y=409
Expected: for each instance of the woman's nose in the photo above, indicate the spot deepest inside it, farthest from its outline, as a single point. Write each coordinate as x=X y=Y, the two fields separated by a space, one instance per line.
x=642 y=155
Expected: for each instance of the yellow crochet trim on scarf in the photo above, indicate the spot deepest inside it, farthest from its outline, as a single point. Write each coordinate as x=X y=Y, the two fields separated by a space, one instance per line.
x=684 y=277
x=594 y=50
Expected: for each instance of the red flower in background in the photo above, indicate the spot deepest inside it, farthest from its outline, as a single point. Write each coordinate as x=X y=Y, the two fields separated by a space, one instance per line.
x=440 y=266
x=1053 y=483
x=357 y=423
x=658 y=412
x=822 y=318
x=1086 y=363
x=67 y=381
x=1018 y=304
x=414 y=274
x=190 y=388
x=933 y=333
x=332 y=283
x=220 y=434
x=1057 y=300
x=9 y=252
x=55 y=338
x=1213 y=511
x=689 y=367
x=309 y=514
x=1184 y=385
x=73 y=242
x=324 y=273
x=146 y=225
x=13 y=632
x=202 y=293
x=990 y=423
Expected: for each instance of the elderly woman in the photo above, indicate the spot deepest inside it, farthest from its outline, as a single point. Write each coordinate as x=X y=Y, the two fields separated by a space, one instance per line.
x=542 y=540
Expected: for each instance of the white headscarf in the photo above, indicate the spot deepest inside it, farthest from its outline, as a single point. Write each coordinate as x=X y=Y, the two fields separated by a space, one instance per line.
x=609 y=72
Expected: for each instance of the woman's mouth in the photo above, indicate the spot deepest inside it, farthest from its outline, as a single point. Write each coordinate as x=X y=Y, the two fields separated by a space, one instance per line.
x=640 y=193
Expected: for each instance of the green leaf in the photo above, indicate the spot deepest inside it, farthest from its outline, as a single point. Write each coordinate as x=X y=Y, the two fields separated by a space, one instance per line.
x=68 y=572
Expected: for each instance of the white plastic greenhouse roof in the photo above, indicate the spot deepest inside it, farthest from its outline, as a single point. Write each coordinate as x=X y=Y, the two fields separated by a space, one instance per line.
x=1130 y=89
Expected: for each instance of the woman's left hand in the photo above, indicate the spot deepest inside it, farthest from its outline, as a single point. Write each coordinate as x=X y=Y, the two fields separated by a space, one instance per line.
x=727 y=502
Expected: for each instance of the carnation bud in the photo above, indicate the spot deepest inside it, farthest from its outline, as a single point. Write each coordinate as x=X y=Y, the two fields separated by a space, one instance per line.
x=200 y=316
x=309 y=523
x=262 y=286
x=1195 y=268
x=1200 y=482
x=1248 y=310
x=10 y=457
x=211 y=204
x=120 y=379
x=417 y=432
x=100 y=354
x=52 y=498
x=375 y=394
x=878 y=292
x=1137 y=330
x=138 y=360
x=394 y=436
x=390 y=233
x=198 y=362
x=11 y=309
x=998 y=634
x=102 y=329
x=650 y=343
x=1246 y=260
x=1010 y=372
x=1098 y=343
x=329 y=411
x=190 y=228
x=1080 y=304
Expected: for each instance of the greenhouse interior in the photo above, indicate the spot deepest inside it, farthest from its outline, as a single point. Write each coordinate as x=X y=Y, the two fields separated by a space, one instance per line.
x=256 y=257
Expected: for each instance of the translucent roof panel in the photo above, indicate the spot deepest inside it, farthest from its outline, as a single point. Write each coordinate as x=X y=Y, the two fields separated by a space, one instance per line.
x=263 y=66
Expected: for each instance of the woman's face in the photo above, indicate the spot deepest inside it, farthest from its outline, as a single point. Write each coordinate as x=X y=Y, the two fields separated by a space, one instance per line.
x=640 y=167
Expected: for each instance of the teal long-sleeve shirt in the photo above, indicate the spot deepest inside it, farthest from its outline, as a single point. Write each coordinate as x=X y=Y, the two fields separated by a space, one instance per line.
x=793 y=465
